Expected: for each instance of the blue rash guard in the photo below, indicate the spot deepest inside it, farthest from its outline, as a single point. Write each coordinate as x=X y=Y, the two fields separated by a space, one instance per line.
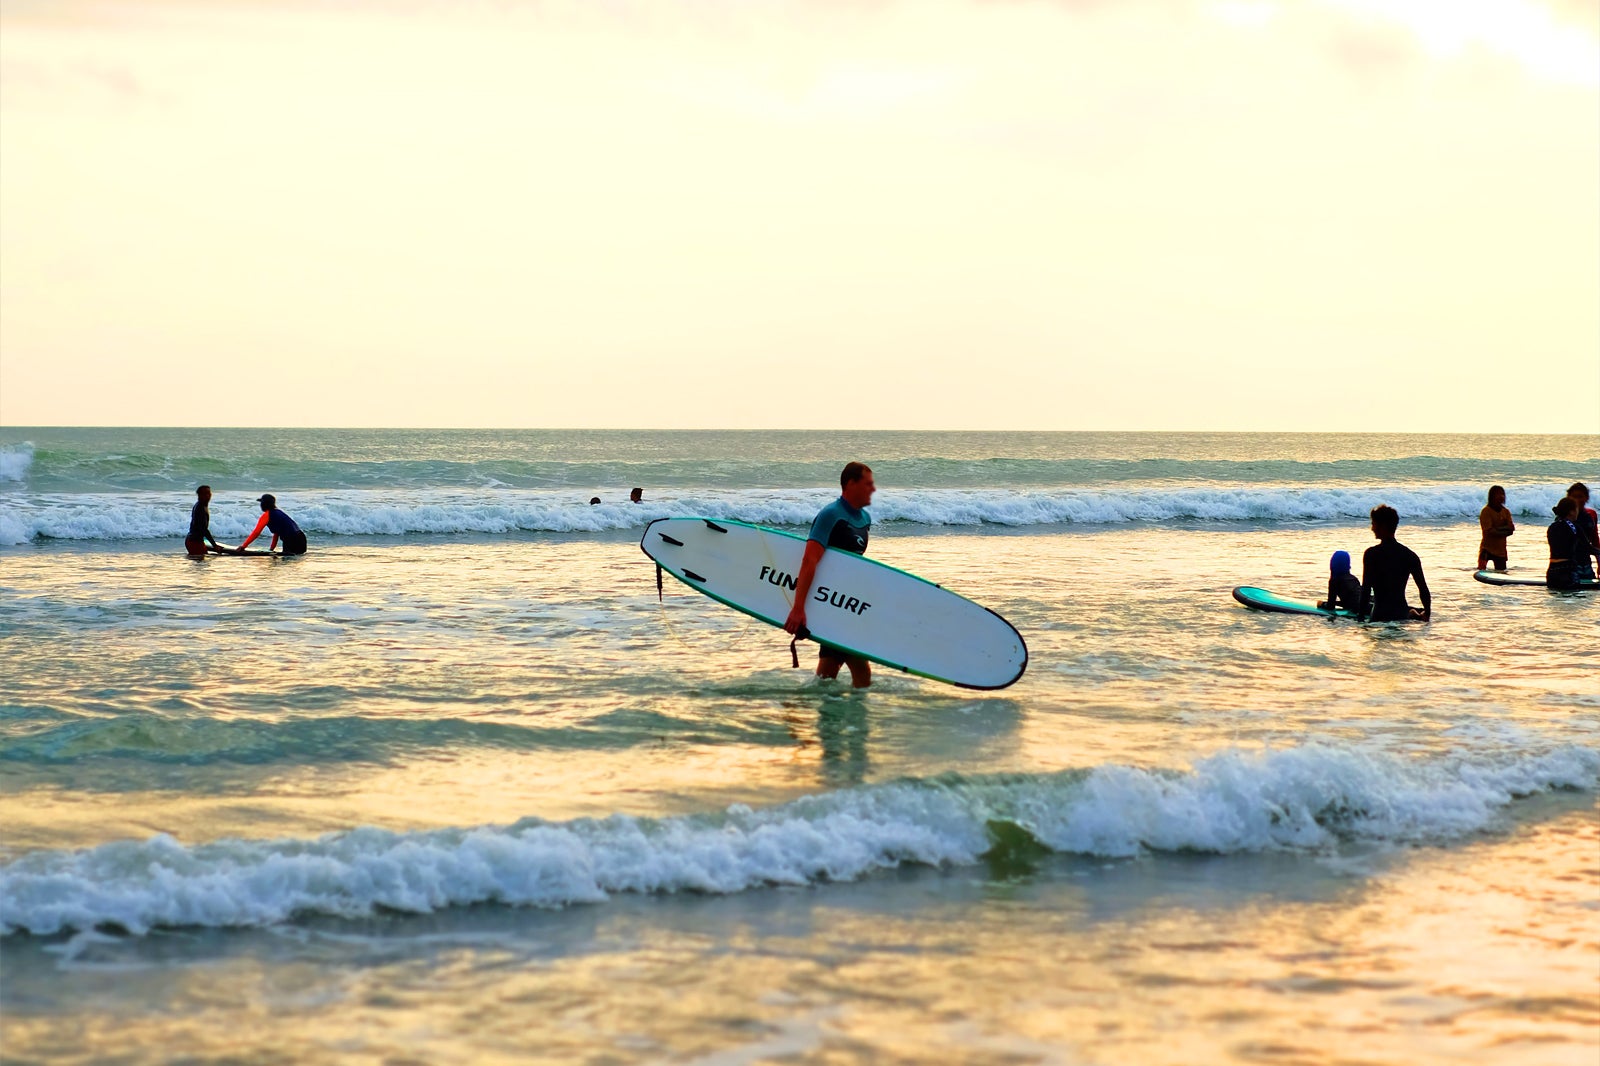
x=841 y=526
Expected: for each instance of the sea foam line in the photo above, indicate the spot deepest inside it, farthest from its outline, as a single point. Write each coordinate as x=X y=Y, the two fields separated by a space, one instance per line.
x=146 y=516
x=1308 y=797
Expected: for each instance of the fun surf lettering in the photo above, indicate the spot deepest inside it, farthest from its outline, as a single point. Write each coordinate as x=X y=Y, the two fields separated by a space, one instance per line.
x=838 y=599
x=778 y=578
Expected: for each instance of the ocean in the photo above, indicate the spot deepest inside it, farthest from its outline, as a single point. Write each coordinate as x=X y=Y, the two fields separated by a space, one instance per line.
x=456 y=787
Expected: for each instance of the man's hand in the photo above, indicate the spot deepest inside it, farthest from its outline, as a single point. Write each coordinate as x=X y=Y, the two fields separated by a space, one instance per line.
x=797 y=618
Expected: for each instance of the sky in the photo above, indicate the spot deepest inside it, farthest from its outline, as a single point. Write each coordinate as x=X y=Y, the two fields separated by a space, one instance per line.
x=1318 y=215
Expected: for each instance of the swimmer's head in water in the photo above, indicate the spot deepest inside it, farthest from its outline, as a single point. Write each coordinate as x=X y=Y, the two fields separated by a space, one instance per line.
x=1340 y=563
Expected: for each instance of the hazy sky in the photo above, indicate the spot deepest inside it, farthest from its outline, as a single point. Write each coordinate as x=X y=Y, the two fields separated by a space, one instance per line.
x=1098 y=214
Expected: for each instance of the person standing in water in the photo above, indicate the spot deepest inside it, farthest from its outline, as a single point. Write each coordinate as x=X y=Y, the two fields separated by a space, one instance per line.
x=200 y=525
x=1384 y=570
x=843 y=524
x=1584 y=518
x=1567 y=546
x=1344 y=591
x=1495 y=521
x=282 y=526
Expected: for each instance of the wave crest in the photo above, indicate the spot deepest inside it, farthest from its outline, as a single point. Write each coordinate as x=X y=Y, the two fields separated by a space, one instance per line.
x=1299 y=798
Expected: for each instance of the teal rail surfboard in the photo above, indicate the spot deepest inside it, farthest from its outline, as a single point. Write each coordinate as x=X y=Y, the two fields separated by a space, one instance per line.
x=856 y=604
x=1262 y=600
x=1524 y=577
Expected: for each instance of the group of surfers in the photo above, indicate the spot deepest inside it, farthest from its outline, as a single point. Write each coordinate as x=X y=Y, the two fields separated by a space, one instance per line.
x=1380 y=595
x=200 y=542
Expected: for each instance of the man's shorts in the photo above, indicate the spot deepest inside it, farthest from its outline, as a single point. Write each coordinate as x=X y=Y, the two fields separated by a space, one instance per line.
x=1499 y=561
x=294 y=543
x=194 y=545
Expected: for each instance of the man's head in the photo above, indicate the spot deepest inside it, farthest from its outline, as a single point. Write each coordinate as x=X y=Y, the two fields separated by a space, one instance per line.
x=1565 y=507
x=268 y=501
x=1578 y=493
x=1497 y=496
x=1385 y=520
x=636 y=496
x=593 y=500
x=856 y=485
x=204 y=492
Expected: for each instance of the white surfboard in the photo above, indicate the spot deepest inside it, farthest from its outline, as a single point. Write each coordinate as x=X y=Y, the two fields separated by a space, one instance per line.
x=856 y=604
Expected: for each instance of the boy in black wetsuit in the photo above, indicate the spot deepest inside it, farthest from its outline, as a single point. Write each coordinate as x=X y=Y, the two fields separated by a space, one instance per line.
x=1384 y=570
x=1344 y=591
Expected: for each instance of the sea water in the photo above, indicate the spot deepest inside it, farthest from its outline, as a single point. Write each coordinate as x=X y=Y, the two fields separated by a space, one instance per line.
x=456 y=786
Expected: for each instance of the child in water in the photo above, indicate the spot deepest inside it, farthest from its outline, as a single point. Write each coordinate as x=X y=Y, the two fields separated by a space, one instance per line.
x=1344 y=591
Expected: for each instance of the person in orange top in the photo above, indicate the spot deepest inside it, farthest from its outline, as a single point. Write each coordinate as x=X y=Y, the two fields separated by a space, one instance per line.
x=1495 y=519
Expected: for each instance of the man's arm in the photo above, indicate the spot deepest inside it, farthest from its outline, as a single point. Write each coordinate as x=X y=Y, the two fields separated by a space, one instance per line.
x=1422 y=587
x=1366 y=590
x=802 y=586
x=256 y=532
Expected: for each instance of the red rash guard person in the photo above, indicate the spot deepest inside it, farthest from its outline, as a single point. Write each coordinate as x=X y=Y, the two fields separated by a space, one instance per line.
x=282 y=526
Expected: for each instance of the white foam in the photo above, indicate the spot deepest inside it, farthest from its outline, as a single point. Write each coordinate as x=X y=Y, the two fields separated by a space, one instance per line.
x=141 y=516
x=15 y=459
x=1309 y=797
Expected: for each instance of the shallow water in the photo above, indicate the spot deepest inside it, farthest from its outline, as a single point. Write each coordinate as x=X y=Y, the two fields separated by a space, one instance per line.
x=480 y=796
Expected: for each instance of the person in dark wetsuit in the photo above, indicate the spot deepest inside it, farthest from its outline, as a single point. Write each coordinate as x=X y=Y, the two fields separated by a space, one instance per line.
x=1384 y=570
x=200 y=525
x=282 y=526
x=1567 y=546
x=1344 y=591
x=843 y=524
x=1588 y=528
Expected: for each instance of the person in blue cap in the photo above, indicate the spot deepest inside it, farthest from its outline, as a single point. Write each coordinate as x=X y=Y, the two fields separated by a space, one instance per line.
x=1344 y=591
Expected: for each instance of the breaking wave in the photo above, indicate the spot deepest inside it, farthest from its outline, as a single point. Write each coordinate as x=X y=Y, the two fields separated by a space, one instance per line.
x=130 y=516
x=1310 y=797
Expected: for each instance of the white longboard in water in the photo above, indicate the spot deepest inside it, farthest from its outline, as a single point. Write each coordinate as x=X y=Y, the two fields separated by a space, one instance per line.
x=856 y=604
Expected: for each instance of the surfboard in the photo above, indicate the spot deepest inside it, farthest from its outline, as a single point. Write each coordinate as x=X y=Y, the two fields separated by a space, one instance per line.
x=1262 y=600
x=230 y=554
x=1526 y=578
x=856 y=604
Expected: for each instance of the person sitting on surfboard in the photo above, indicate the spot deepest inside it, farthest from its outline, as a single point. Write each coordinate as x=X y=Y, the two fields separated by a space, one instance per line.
x=1495 y=521
x=843 y=524
x=294 y=541
x=1344 y=591
x=200 y=525
x=1384 y=570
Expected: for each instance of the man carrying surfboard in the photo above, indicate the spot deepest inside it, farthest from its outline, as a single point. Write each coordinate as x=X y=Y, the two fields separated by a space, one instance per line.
x=843 y=524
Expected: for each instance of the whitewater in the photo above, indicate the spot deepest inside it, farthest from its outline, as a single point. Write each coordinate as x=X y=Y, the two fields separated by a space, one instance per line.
x=457 y=785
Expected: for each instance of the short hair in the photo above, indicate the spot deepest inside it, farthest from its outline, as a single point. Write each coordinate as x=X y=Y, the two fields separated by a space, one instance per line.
x=1565 y=506
x=1494 y=489
x=853 y=472
x=1578 y=486
x=202 y=488
x=1385 y=517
